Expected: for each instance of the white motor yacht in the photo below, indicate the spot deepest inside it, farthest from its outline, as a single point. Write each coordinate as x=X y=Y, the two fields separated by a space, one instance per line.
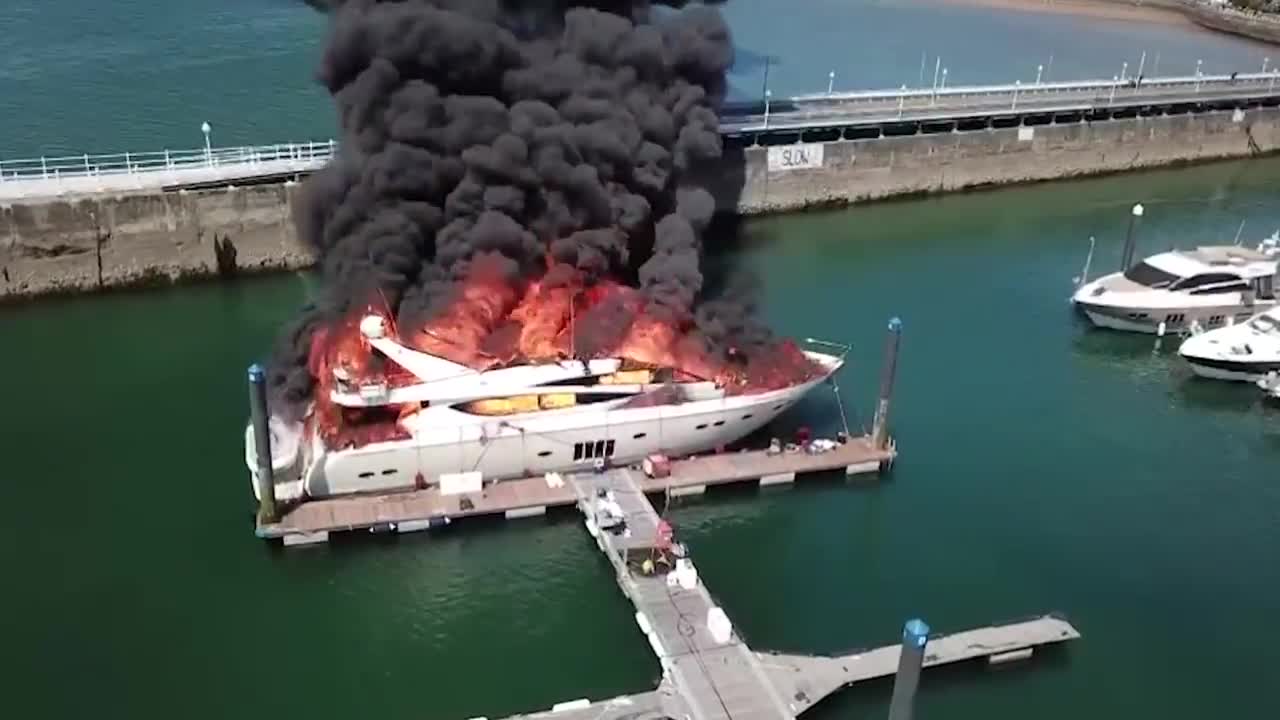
x=1245 y=351
x=1174 y=291
x=449 y=419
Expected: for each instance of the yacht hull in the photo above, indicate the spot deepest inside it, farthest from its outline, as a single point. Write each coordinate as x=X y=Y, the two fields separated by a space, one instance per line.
x=513 y=447
x=1176 y=320
x=1230 y=371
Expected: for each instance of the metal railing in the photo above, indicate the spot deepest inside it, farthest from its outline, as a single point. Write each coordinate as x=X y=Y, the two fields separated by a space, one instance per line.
x=265 y=157
x=210 y=164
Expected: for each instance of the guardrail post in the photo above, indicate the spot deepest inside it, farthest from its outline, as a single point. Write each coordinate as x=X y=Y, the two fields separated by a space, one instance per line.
x=128 y=166
x=1114 y=80
x=44 y=168
x=86 y=164
x=331 y=147
x=902 y=99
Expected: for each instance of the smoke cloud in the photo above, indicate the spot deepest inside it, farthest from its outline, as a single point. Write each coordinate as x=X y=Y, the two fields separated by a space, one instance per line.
x=521 y=132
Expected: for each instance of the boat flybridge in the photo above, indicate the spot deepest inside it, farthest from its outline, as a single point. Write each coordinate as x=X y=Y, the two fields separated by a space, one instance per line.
x=1246 y=351
x=449 y=420
x=1179 y=290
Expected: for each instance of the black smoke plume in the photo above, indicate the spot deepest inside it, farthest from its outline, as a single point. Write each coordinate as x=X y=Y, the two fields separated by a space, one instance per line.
x=517 y=129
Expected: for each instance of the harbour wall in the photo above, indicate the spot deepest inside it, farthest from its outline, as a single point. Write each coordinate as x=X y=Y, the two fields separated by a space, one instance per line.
x=99 y=242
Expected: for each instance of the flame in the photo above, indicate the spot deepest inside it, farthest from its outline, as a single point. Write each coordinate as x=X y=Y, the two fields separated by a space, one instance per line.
x=493 y=321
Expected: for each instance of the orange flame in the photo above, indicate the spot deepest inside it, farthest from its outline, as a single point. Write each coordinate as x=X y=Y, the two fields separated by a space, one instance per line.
x=493 y=321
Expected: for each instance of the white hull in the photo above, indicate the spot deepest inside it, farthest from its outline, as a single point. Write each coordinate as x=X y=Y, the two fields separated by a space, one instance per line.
x=1214 y=373
x=445 y=441
x=519 y=446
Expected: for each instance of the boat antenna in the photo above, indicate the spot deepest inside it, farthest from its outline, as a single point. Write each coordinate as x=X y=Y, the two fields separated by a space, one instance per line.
x=573 y=341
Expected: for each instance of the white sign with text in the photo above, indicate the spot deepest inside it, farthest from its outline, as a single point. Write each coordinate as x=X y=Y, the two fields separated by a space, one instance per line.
x=805 y=156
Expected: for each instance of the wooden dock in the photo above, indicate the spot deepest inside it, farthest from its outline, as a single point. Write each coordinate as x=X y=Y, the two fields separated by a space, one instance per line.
x=708 y=671
x=413 y=510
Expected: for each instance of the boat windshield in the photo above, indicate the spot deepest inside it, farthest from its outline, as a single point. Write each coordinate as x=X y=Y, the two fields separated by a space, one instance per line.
x=1266 y=325
x=1149 y=275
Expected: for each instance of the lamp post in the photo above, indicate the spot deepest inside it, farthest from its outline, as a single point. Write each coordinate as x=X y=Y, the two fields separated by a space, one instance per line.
x=1265 y=60
x=1198 y=64
x=208 y=147
x=1114 y=81
x=1039 y=72
x=1124 y=70
x=1017 y=85
x=767 y=94
x=943 y=86
x=831 y=81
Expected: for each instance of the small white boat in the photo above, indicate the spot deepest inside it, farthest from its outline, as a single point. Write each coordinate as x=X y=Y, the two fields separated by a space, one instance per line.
x=1243 y=352
x=1176 y=291
x=1170 y=292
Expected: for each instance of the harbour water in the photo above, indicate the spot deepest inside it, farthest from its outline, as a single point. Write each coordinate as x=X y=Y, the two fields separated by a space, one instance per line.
x=1044 y=466
x=142 y=75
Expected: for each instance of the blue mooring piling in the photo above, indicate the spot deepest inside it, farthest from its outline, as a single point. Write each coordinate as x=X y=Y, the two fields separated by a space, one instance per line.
x=915 y=635
x=262 y=443
x=880 y=426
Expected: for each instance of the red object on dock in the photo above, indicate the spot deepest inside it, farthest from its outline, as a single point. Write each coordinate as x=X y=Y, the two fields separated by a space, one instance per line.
x=664 y=535
x=802 y=435
x=657 y=466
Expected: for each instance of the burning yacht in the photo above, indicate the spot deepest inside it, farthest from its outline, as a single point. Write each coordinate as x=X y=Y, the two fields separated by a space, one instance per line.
x=422 y=417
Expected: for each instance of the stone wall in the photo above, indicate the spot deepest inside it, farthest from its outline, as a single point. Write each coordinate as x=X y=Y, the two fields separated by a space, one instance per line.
x=112 y=241
x=1256 y=26
x=861 y=170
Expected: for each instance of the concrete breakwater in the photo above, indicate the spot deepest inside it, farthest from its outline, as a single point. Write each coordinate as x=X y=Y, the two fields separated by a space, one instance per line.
x=108 y=241
x=1256 y=26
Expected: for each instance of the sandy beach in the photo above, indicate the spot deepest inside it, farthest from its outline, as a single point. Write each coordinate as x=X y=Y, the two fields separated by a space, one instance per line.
x=1151 y=11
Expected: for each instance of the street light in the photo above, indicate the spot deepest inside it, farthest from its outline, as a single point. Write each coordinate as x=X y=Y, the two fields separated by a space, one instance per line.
x=208 y=148
x=831 y=81
x=1265 y=60
x=1115 y=79
x=943 y=86
x=1039 y=70
x=1198 y=64
x=1124 y=70
x=1017 y=85
x=767 y=95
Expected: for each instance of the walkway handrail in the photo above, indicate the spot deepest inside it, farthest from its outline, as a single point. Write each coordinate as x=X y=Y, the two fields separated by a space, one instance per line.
x=284 y=158
x=308 y=155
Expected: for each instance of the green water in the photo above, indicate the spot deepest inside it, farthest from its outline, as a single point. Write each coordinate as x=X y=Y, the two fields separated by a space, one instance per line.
x=142 y=75
x=1044 y=467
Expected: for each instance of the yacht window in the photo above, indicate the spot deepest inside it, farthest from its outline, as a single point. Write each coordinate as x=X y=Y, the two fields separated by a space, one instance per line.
x=1205 y=280
x=588 y=450
x=577 y=451
x=718 y=423
x=545 y=453
x=1265 y=324
x=1265 y=286
x=599 y=448
x=637 y=436
x=1223 y=287
x=1149 y=275
x=608 y=449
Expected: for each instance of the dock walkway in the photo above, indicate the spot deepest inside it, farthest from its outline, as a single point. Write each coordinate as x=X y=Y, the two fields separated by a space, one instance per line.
x=715 y=678
x=412 y=510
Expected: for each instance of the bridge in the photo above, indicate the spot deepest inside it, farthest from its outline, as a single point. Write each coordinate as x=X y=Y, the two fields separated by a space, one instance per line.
x=824 y=116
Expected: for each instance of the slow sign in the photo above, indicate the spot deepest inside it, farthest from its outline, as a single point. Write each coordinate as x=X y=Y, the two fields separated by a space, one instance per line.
x=805 y=156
